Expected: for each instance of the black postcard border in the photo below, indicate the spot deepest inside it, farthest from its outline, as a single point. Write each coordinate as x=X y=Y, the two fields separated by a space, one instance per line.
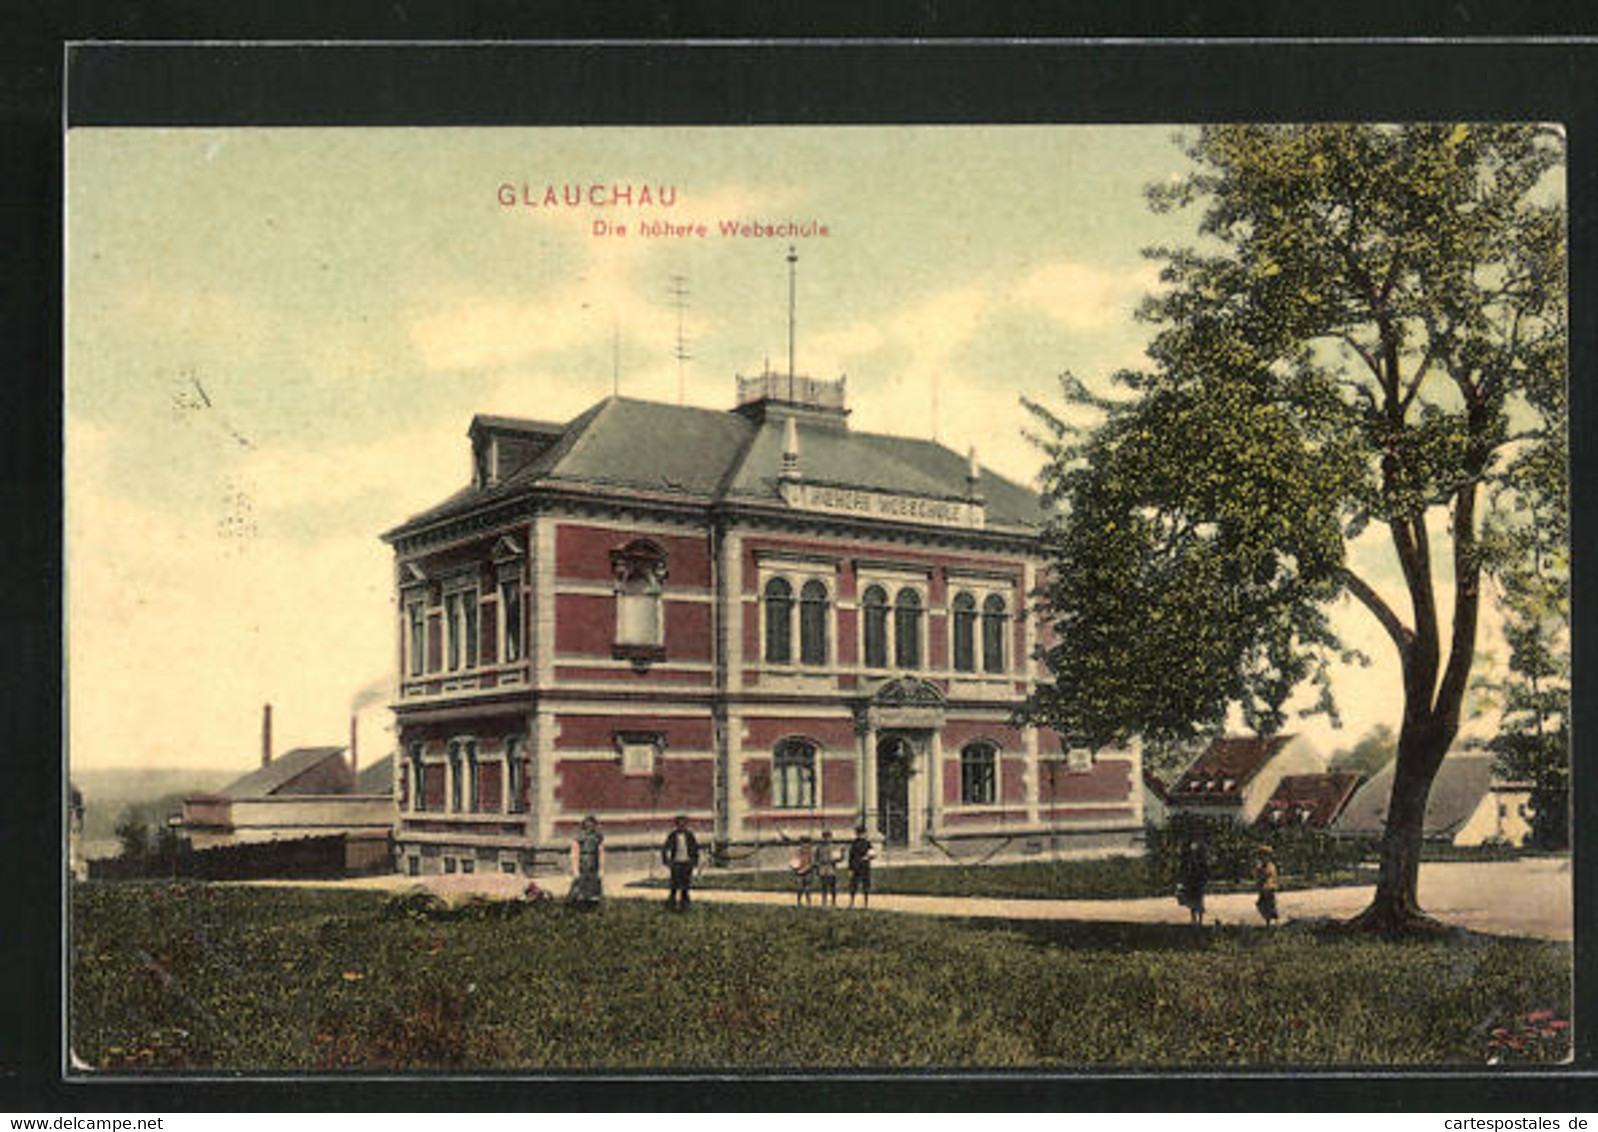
x=652 y=82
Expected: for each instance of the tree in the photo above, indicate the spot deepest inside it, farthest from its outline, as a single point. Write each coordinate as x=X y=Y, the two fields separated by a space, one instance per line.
x=1533 y=697
x=1368 y=755
x=1369 y=338
x=133 y=835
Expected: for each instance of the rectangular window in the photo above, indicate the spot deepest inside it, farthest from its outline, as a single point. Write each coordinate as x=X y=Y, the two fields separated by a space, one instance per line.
x=416 y=636
x=510 y=607
x=413 y=865
x=460 y=628
x=508 y=867
x=453 y=629
x=449 y=864
x=456 y=771
x=515 y=772
x=468 y=865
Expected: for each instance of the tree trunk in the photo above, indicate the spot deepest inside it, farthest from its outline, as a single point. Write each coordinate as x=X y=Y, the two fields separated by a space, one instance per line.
x=1395 y=909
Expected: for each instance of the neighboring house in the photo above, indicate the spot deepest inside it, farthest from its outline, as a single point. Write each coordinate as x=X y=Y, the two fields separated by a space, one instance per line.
x=1156 y=799
x=75 y=862
x=759 y=618
x=1465 y=806
x=1310 y=800
x=306 y=792
x=1236 y=775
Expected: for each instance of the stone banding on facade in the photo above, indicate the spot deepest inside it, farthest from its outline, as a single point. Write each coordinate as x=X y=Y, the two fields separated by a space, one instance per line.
x=646 y=611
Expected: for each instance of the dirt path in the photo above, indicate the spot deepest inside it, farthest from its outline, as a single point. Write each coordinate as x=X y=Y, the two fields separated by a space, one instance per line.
x=1530 y=897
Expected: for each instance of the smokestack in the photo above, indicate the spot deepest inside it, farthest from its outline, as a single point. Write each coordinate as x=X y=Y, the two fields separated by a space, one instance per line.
x=266 y=734
x=353 y=764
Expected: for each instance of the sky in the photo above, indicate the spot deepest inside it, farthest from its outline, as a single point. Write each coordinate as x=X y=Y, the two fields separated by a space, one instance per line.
x=276 y=339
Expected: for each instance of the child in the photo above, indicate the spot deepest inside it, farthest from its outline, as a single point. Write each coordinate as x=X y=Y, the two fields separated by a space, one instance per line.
x=827 y=868
x=804 y=870
x=1265 y=882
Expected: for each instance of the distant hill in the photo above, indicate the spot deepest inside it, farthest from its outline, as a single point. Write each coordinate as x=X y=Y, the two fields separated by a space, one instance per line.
x=152 y=794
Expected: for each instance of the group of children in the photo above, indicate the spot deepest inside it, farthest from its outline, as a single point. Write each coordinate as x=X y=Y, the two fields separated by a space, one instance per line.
x=816 y=864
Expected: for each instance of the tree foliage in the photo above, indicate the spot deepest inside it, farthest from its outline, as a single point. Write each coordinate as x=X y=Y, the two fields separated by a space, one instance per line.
x=1370 y=332
x=133 y=835
x=1373 y=751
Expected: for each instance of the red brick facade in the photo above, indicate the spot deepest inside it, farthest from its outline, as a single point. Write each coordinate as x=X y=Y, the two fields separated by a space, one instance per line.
x=648 y=663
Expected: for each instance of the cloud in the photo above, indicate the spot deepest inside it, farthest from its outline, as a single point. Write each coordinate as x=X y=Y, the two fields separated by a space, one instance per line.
x=1084 y=298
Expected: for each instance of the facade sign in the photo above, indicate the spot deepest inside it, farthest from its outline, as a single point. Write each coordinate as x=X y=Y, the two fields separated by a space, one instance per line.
x=865 y=504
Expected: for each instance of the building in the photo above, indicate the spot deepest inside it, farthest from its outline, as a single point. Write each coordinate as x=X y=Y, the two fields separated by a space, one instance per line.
x=1235 y=776
x=1309 y=800
x=759 y=618
x=77 y=867
x=1466 y=805
x=303 y=793
x=1156 y=799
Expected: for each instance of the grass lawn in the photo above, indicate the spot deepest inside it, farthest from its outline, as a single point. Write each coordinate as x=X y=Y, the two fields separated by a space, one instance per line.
x=1108 y=878
x=202 y=977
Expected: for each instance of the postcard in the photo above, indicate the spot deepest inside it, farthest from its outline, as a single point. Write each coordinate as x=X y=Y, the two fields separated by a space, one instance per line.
x=816 y=598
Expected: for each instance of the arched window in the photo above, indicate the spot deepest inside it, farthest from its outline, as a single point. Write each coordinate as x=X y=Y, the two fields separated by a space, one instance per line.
x=994 y=620
x=874 y=602
x=813 y=623
x=978 y=773
x=965 y=633
x=793 y=779
x=907 y=628
x=779 y=626
x=640 y=570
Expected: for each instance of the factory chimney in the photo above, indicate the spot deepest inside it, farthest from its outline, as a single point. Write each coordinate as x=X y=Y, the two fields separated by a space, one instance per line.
x=354 y=765
x=266 y=734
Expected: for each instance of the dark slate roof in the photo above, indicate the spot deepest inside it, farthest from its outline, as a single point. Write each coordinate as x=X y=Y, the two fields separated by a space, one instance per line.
x=1309 y=799
x=280 y=772
x=709 y=455
x=377 y=778
x=1226 y=759
x=1461 y=783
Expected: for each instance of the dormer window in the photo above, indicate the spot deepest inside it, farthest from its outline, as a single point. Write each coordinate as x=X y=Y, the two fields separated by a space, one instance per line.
x=640 y=572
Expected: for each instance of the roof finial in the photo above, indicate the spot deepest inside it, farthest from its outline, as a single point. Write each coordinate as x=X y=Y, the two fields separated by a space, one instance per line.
x=790 y=450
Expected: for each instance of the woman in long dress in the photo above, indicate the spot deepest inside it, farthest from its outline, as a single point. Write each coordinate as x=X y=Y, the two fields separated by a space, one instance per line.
x=588 y=864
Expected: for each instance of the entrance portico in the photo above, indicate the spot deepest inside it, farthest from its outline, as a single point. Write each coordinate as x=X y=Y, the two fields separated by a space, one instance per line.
x=901 y=761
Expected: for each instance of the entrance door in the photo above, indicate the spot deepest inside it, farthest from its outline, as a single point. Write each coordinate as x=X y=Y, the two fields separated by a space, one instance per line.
x=893 y=789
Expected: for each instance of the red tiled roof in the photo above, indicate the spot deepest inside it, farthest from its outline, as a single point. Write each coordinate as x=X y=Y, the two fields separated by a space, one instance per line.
x=1226 y=764
x=1309 y=799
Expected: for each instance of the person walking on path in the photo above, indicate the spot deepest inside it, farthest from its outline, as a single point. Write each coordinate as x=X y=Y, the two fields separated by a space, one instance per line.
x=1192 y=878
x=1265 y=882
x=827 y=869
x=804 y=870
x=861 y=855
x=680 y=854
x=588 y=865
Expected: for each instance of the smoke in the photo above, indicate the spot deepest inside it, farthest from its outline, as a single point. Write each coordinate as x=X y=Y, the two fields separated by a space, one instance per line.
x=378 y=691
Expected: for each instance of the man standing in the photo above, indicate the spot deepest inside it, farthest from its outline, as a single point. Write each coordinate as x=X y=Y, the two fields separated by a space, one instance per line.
x=680 y=854
x=860 y=855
